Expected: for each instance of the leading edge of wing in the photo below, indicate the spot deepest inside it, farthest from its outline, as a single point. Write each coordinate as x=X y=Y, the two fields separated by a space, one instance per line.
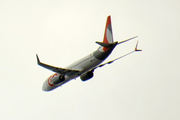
x=109 y=62
x=127 y=40
x=53 y=68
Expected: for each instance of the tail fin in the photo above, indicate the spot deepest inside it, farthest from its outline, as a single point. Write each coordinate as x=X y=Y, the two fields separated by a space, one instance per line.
x=108 y=35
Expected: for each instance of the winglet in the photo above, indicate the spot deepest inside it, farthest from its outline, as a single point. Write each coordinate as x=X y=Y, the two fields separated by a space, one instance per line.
x=38 y=61
x=136 y=47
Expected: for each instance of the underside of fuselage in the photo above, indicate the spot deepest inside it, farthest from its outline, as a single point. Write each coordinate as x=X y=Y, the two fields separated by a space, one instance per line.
x=84 y=65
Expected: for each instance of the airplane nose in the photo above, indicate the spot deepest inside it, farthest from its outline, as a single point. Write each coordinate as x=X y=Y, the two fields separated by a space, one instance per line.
x=46 y=87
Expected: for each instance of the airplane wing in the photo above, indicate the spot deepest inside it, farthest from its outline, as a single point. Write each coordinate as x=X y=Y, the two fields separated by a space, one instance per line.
x=62 y=71
x=110 y=44
x=109 y=62
x=127 y=40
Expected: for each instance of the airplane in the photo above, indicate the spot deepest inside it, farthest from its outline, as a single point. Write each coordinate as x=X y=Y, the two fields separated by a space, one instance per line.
x=84 y=68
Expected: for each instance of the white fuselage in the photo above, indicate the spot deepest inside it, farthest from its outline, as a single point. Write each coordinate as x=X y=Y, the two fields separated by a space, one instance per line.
x=83 y=65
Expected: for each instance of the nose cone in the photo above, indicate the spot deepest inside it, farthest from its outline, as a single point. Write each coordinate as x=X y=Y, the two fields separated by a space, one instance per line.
x=46 y=87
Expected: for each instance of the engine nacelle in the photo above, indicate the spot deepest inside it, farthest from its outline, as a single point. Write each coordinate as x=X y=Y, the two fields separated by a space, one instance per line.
x=87 y=76
x=59 y=79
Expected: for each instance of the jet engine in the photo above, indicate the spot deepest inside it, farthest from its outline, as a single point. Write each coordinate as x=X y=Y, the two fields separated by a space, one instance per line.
x=59 y=79
x=86 y=76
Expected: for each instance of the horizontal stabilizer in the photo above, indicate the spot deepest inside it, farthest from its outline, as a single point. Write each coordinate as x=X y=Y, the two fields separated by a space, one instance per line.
x=104 y=44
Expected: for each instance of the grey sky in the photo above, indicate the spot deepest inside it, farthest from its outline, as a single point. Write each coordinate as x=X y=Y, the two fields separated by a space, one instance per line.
x=142 y=86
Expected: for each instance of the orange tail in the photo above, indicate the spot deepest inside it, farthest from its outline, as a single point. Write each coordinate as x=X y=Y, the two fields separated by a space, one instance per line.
x=108 y=35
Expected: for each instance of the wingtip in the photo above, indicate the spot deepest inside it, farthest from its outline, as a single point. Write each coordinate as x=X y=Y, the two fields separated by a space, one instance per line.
x=134 y=37
x=127 y=39
x=38 y=61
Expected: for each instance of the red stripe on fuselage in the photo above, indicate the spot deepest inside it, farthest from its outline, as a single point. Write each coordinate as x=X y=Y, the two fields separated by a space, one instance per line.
x=50 y=79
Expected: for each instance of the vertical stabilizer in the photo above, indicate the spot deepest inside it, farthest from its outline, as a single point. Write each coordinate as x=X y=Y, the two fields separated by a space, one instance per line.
x=108 y=35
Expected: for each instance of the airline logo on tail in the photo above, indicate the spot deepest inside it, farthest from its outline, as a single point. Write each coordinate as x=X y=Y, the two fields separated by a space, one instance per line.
x=108 y=35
